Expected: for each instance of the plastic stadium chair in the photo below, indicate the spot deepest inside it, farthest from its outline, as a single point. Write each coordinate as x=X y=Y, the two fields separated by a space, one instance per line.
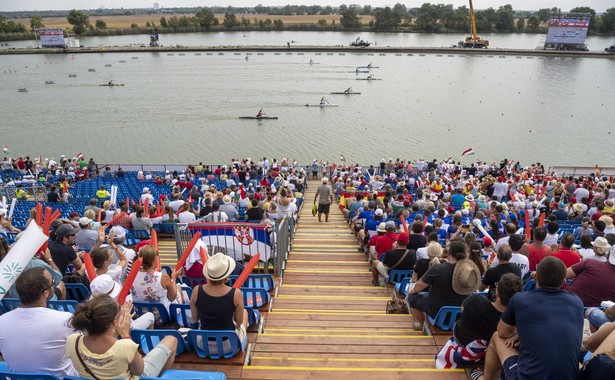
x=255 y=297
x=446 y=317
x=158 y=309
x=397 y=275
x=401 y=286
x=530 y=285
x=63 y=305
x=148 y=339
x=218 y=343
x=179 y=314
x=140 y=234
x=8 y=375
x=181 y=374
x=10 y=303
x=194 y=281
x=77 y=292
x=256 y=280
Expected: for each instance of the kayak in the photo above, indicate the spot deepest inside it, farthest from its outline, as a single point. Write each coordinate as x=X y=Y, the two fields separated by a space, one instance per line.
x=112 y=85
x=368 y=79
x=259 y=117
x=345 y=93
x=359 y=71
x=321 y=105
x=368 y=67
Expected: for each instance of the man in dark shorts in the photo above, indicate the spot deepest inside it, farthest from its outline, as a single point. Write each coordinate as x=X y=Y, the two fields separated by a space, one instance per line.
x=539 y=335
x=324 y=195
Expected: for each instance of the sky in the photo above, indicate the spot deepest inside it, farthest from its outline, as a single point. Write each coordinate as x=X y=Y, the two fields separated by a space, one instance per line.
x=30 y=5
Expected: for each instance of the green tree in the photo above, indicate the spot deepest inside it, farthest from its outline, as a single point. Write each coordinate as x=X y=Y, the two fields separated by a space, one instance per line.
x=350 y=19
x=385 y=19
x=322 y=22
x=427 y=18
x=367 y=10
x=245 y=22
x=327 y=10
x=101 y=24
x=608 y=21
x=134 y=25
x=400 y=10
x=79 y=20
x=533 y=22
x=230 y=21
x=205 y=17
x=163 y=22
x=505 y=19
x=36 y=22
x=278 y=24
x=543 y=14
x=342 y=9
x=520 y=24
x=589 y=12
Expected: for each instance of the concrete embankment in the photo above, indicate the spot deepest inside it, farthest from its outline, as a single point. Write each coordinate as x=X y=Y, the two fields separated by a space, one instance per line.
x=315 y=49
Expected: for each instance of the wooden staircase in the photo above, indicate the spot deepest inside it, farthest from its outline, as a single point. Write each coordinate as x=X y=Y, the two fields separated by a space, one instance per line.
x=327 y=321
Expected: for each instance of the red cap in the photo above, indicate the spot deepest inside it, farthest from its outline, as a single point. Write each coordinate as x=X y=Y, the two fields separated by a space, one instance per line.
x=403 y=239
x=487 y=242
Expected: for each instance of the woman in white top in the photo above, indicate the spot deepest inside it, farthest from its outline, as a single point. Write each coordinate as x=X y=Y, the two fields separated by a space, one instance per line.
x=283 y=201
x=6 y=226
x=152 y=285
x=103 y=259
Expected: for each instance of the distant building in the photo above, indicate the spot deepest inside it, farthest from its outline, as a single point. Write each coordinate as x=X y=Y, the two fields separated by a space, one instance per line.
x=156 y=6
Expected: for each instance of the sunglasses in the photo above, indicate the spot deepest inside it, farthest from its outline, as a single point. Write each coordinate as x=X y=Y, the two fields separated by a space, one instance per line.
x=53 y=284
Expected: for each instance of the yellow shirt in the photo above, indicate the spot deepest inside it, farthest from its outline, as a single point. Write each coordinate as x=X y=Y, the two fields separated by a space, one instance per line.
x=113 y=364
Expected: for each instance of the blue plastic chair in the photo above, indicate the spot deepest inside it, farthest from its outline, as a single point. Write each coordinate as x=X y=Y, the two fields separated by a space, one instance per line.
x=195 y=281
x=77 y=292
x=63 y=305
x=253 y=316
x=401 y=286
x=130 y=240
x=396 y=275
x=158 y=309
x=446 y=317
x=530 y=285
x=256 y=280
x=8 y=375
x=140 y=234
x=216 y=344
x=150 y=338
x=255 y=297
x=11 y=303
x=181 y=374
x=179 y=314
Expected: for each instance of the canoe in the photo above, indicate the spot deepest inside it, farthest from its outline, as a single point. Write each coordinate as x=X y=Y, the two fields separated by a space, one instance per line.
x=112 y=85
x=360 y=71
x=368 y=67
x=345 y=93
x=321 y=105
x=259 y=118
x=368 y=79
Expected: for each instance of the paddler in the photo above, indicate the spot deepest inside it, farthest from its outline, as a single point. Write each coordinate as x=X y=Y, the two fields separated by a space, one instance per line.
x=370 y=77
x=260 y=113
x=311 y=61
x=369 y=66
x=110 y=83
x=348 y=90
x=323 y=101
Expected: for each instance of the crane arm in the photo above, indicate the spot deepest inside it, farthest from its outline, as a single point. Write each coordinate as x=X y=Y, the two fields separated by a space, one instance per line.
x=473 y=22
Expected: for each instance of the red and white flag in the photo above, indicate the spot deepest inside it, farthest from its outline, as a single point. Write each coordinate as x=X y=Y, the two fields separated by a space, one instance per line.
x=467 y=152
x=79 y=155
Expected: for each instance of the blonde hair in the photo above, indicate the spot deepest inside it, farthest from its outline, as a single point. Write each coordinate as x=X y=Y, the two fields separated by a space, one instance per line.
x=90 y=214
x=434 y=251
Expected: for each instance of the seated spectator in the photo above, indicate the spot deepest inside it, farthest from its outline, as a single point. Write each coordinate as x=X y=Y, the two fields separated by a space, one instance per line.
x=102 y=258
x=594 y=281
x=434 y=252
x=100 y=355
x=475 y=255
x=516 y=243
x=601 y=249
x=449 y=284
x=86 y=237
x=586 y=248
x=479 y=320
x=62 y=249
x=152 y=285
x=255 y=212
x=417 y=239
x=185 y=214
x=216 y=215
x=6 y=225
x=399 y=258
x=601 y=365
x=552 y=236
x=493 y=274
x=216 y=305
x=207 y=207
x=566 y=253
x=119 y=237
x=538 y=250
x=140 y=221
x=32 y=336
x=228 y=207
x=529 y=321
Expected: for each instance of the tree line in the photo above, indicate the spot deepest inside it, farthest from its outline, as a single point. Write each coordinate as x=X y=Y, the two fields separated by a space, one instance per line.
x=430 y=18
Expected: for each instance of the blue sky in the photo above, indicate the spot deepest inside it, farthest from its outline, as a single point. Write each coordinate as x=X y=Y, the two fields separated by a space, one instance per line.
x=19 y=5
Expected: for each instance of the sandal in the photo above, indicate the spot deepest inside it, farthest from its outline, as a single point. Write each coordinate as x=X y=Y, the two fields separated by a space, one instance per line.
x=477 y=373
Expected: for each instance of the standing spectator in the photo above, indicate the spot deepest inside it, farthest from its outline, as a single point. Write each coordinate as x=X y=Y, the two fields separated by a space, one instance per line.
x=324 y=195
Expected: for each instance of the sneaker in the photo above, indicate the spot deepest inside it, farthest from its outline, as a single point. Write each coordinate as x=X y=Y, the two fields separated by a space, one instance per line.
x=477 y=373
x=375 y=283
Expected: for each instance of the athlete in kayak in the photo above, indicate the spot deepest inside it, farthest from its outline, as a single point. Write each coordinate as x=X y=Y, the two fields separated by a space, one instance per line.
x=370 y=77
x=323 y=101
x=348 y=90
x=369 y=66
x=311 y=61
x=260 y=113
x=110 y=83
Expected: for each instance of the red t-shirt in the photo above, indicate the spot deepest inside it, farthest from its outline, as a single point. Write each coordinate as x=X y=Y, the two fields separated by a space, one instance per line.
x=567 y=256
x=536 y=255
x=385 y=243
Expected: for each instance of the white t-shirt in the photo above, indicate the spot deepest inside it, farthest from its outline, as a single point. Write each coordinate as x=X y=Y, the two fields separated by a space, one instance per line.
x=518 y=259
x=175 y=205
x=502 y=242
x=147 y=196
x=550 y=239
x=186 y=217
x=421 y=253
x=33 y=339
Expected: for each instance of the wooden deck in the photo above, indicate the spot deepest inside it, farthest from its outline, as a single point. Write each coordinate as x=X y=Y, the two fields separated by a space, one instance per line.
x=327 y=321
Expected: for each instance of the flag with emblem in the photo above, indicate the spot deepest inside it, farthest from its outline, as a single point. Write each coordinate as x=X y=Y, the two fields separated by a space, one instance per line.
x=239 y=240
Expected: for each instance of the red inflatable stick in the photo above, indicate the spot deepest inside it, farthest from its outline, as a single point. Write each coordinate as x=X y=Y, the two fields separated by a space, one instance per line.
x=115 y=219
x=246 y=271
x=99 y=216
x=403 y=223
x=528 y=227
x=146 y=206
x=129 y=281
x=424 y=221
x=39 y=214
x=89 y=266
x=541 y=221
x=182 y=260
x=154 y=242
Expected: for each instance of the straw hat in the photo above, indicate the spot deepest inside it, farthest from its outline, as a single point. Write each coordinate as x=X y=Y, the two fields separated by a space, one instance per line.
x=578 y=208
x=226 y=199
x=601 y=242
x=381 y=227
x=219 y=267
x=607 y=220
x=466 y=277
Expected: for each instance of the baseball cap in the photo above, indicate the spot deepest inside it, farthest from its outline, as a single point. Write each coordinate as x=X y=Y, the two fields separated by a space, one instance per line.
x=104 y=284
x=403 y=239
x=118 y=231
x=379 y=212
x=66 y=230
x=85 y=221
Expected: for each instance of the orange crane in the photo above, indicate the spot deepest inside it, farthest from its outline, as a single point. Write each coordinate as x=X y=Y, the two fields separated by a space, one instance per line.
x=473 y=41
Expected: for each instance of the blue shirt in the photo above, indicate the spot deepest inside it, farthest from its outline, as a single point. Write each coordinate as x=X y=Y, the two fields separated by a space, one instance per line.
x=457 y=201
x=550 y=326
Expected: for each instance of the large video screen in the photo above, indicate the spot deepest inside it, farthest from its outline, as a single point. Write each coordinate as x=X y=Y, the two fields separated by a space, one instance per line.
x=567 y=31
x=51 y=37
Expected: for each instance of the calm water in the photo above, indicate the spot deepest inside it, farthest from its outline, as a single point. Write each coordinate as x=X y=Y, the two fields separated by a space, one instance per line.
x=185 y=108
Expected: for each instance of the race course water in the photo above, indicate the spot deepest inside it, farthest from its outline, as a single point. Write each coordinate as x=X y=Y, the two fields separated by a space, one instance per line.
x=185 y=107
